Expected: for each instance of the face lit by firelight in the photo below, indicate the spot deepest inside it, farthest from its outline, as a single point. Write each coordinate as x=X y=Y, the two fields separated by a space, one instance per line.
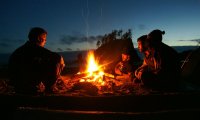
x=42 y=39
x=125 y=57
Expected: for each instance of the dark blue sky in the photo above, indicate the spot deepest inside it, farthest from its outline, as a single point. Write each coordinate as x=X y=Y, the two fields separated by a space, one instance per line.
x=76 y=24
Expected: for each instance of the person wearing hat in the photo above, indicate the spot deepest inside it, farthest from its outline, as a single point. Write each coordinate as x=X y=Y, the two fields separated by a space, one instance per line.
x=124 y=69
x=33 y=68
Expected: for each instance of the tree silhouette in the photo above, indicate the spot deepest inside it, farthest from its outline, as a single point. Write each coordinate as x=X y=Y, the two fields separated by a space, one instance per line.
x=111 y=47
x=114 y=35
x=119 y=33
x=98 y=43
x=127 y=35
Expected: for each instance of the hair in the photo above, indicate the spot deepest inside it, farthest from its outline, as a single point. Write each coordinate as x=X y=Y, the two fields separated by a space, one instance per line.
x=155 y=37
x=35 y=32
x=126 y=51
x=142 y=38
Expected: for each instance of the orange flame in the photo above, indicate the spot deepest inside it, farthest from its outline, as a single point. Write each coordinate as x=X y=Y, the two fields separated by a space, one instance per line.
x=92 y=64
x=94 y=70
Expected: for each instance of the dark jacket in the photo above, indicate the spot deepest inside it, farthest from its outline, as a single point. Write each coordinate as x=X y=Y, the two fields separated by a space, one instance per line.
x=165 y=68
x=30 y=65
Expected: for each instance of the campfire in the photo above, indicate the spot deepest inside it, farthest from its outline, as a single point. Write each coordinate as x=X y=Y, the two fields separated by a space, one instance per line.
x=94 y=72
x=95 y=81
x=95 y=76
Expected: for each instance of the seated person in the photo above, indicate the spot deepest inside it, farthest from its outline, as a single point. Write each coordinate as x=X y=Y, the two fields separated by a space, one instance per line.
x=124 y=69
x=160 y=64
x=33 y=67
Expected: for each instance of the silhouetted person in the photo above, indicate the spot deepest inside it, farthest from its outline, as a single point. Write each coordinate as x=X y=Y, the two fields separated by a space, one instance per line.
x=161 y=69
x=32 y=66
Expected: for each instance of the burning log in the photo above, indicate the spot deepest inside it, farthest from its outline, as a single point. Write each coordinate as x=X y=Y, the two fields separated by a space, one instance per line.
x=78 y=76
x=85 y=88
x=81 y=75
x=109 y=75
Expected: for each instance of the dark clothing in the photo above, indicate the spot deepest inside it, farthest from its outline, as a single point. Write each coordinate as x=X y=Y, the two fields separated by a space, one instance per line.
x=30 y=64
x=170 y=67
x=163 y=69
x=125 y=67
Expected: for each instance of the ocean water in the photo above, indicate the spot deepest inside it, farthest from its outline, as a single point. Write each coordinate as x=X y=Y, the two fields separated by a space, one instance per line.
x=70 y=56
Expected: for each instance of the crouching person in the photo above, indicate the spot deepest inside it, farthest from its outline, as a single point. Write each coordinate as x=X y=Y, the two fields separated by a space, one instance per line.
x=160 y=63
x=124 y=69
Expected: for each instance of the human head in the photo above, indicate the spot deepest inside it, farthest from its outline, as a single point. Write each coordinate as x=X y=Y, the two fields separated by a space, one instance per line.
x=125 y=54
x=38 y=36
x=155 y=37
x=142 y=43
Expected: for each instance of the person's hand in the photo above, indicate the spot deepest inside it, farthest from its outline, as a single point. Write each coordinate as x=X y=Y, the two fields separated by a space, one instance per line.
x=139 y=75
x=140 y=70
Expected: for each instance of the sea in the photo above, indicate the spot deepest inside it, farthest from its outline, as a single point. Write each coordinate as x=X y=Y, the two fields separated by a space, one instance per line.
x=70 y=56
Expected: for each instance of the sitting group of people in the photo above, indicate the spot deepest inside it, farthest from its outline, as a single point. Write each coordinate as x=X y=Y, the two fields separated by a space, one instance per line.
x=160 y=69
x=33 y=67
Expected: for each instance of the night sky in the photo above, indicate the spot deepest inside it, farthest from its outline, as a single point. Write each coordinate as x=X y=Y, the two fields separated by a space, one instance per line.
x=77 y=24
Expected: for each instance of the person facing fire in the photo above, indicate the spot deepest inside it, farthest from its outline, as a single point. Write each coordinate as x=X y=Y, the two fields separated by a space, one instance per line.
x=160 y=63
x=124 y=69
x=32 y=66
x=142 y=48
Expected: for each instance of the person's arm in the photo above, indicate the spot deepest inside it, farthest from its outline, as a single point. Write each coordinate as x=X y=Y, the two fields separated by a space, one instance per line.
x=117 y=69
x=124 y=77
x=140 y=70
